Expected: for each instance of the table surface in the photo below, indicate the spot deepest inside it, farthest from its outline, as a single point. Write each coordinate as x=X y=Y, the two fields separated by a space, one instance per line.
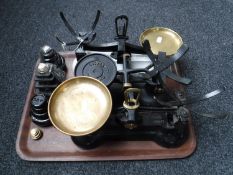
x=206 y=26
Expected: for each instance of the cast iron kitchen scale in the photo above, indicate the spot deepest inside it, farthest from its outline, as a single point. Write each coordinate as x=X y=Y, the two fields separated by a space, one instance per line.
x=113 y=101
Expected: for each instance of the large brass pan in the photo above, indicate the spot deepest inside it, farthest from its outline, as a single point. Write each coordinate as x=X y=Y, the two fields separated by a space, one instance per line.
x=80 y=106
x=162 y=39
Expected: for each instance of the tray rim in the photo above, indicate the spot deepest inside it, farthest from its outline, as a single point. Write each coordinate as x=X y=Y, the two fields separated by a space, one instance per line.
x=24 y=156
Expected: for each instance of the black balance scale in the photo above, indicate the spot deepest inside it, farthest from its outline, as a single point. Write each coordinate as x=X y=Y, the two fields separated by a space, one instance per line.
x=119 y=92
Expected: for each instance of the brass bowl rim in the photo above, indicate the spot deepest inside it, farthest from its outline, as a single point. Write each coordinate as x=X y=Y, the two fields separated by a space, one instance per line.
x=159 y=28
x=71 y=79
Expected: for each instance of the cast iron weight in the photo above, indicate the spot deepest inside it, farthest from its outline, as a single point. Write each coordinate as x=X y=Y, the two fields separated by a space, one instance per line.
x=39 y=114
x=47 y=77
x=49 y=55
x=98 y=66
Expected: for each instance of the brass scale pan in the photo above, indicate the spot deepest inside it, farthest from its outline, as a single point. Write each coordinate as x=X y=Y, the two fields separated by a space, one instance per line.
x=81 y=105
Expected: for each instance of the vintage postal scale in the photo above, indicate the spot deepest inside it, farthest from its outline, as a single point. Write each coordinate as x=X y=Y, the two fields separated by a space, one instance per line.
x=112 y=101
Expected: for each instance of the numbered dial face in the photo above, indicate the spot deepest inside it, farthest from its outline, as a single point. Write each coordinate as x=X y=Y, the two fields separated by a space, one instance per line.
x=98 y=66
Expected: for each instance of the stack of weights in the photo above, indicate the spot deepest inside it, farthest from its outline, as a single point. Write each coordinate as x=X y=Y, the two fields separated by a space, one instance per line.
x=39 y=112
x=49 y=74
x=50 y=71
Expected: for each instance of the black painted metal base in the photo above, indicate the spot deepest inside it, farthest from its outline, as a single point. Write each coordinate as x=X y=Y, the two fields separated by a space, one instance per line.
x=164 y=125
x=148 y=130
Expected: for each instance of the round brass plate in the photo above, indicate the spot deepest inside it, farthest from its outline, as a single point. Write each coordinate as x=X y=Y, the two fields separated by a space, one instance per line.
x=80 y=106
x=162 y=39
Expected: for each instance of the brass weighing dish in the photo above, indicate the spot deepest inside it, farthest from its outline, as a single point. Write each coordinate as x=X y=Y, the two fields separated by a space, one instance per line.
x=79 y=106
x=162 y=39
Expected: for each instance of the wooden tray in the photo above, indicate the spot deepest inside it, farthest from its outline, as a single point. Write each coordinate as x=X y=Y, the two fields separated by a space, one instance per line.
x=55 y=146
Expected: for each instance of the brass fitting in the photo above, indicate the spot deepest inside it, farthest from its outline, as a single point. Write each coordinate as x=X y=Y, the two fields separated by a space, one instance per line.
x=36 y=133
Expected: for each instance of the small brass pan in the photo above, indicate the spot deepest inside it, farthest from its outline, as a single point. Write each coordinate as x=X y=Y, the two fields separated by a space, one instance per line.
x=162 y=39
x=80 y=106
